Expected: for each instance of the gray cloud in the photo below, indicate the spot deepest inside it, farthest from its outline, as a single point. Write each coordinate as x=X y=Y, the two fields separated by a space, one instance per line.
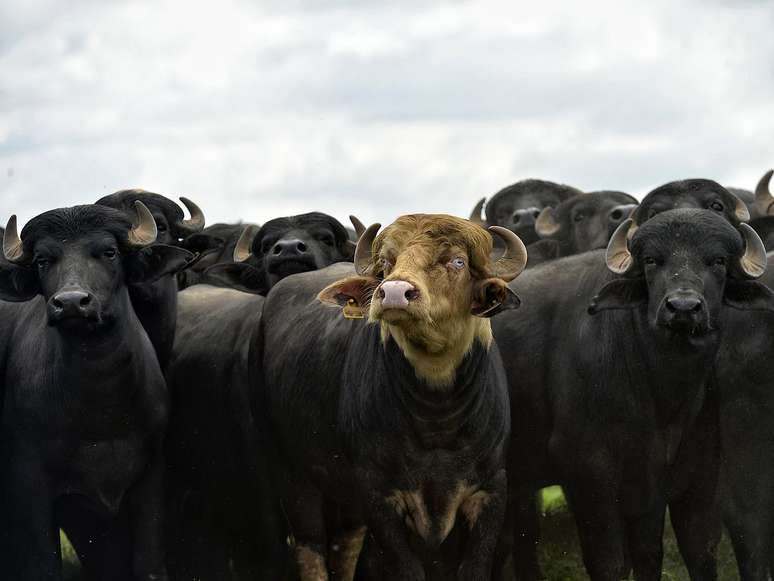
x=262 y=109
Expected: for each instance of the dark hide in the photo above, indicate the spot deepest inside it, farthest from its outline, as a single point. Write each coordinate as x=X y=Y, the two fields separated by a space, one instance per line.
x=619 y=407
x=517 y=206
x=584 y=222
x=155 y=303
x=747 y=439
x=355 y=425
x=213 y=245
x=693 y=193
x=84 y=403
x=224 y=516
x=286 y=246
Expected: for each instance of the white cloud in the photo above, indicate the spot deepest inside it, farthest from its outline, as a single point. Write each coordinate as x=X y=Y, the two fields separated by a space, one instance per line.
x=264 y=109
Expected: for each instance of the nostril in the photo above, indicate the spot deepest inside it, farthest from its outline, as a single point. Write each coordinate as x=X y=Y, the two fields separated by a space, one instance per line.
x=381 y=293
x=616 y=215
x=57 y=303
x=516 y=219
x=85 y=301
x=411 y=294
x=277 y=249
x=301 y=247
x=535 y=213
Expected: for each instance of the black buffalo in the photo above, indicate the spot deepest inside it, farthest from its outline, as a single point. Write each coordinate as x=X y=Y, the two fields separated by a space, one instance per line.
x=283 y=246
x=582 y=223
x=518 y=206
x=156 y=302
x=84 y=400
x=745 y=391
x=396 y=423
x=611 y=387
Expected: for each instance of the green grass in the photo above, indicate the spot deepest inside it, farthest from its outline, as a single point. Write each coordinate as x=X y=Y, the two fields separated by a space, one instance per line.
x=558 y=551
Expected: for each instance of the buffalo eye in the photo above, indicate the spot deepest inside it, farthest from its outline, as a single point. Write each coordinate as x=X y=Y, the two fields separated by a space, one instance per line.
x=578 y=217
x=650 y=261
x=42 y=263
x=325 y=239
x=718 y=261
x=386 y=265
x=457 y=263
x=717 y=206
x=110 y=253
x=161 y=227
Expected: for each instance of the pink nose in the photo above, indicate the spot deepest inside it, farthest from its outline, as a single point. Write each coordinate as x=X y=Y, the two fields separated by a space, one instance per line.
x=396 y=294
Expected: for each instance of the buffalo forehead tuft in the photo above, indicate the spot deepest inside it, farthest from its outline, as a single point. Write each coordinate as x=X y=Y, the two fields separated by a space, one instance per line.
x=439 y=229
x=691 y=226
x=68 y=223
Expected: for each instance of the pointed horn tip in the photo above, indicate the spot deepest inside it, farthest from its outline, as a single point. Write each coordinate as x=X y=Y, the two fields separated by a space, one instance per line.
x=243 y=249
x=145 y=231
x=196 y=222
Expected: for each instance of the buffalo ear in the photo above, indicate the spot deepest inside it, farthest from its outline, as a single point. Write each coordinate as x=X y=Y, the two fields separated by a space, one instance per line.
x=353 y=294
x=237 y=275
x=621 y=293
x=493 y=296
x=17 y=283
x=748 y=295
x=152 y=262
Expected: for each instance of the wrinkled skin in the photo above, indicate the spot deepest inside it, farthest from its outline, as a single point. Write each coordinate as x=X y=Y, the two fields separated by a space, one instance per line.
x=584 y=222
x=85 y=402
x=395 y=409
x=286 y=246
x=517 y=206
x=155 y=303
x=629 y=427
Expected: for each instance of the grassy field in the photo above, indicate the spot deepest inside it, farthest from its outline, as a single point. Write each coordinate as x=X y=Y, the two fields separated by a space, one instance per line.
x=559 y=551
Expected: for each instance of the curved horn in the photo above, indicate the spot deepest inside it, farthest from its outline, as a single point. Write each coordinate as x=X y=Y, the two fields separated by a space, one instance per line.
x=363 y=249
x=195 y=223
x=357 y=225
x=244 y=246
x=512 y=263
x=764 y=201
x=143 y=232
x=618 y=258
x=13 y=249
x=475 y=214
x=753 y=261
x=546 y=225
x=740 y=211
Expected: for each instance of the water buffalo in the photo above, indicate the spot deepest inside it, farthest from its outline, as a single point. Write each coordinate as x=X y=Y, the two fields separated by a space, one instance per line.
x=582 y=223
x=744 y=387
x=85 y=402
x=265 y=255
x=156 y=302
x=518 y=206
x=610 y=366
x=390 y=412
x=213 y=245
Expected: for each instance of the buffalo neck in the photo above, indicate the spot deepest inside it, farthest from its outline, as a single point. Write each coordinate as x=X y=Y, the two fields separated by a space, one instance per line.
x=436 y=351
x=389 y=397
x=679 y=367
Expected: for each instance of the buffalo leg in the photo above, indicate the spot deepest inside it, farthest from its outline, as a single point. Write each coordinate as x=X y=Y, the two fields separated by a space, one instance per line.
x=391 y=536
x=484 y=512
x=525 y=534
x=146 y=505
x=645 y=542
x=304 y=510
x=600 y=529
x=697 y=524
x=30 y=543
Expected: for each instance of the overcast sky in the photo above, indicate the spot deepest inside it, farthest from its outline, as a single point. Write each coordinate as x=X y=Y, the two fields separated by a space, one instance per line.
x=260 y=109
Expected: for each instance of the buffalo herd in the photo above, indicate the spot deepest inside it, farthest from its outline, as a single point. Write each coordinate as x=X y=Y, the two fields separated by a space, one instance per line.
x=300 y=400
